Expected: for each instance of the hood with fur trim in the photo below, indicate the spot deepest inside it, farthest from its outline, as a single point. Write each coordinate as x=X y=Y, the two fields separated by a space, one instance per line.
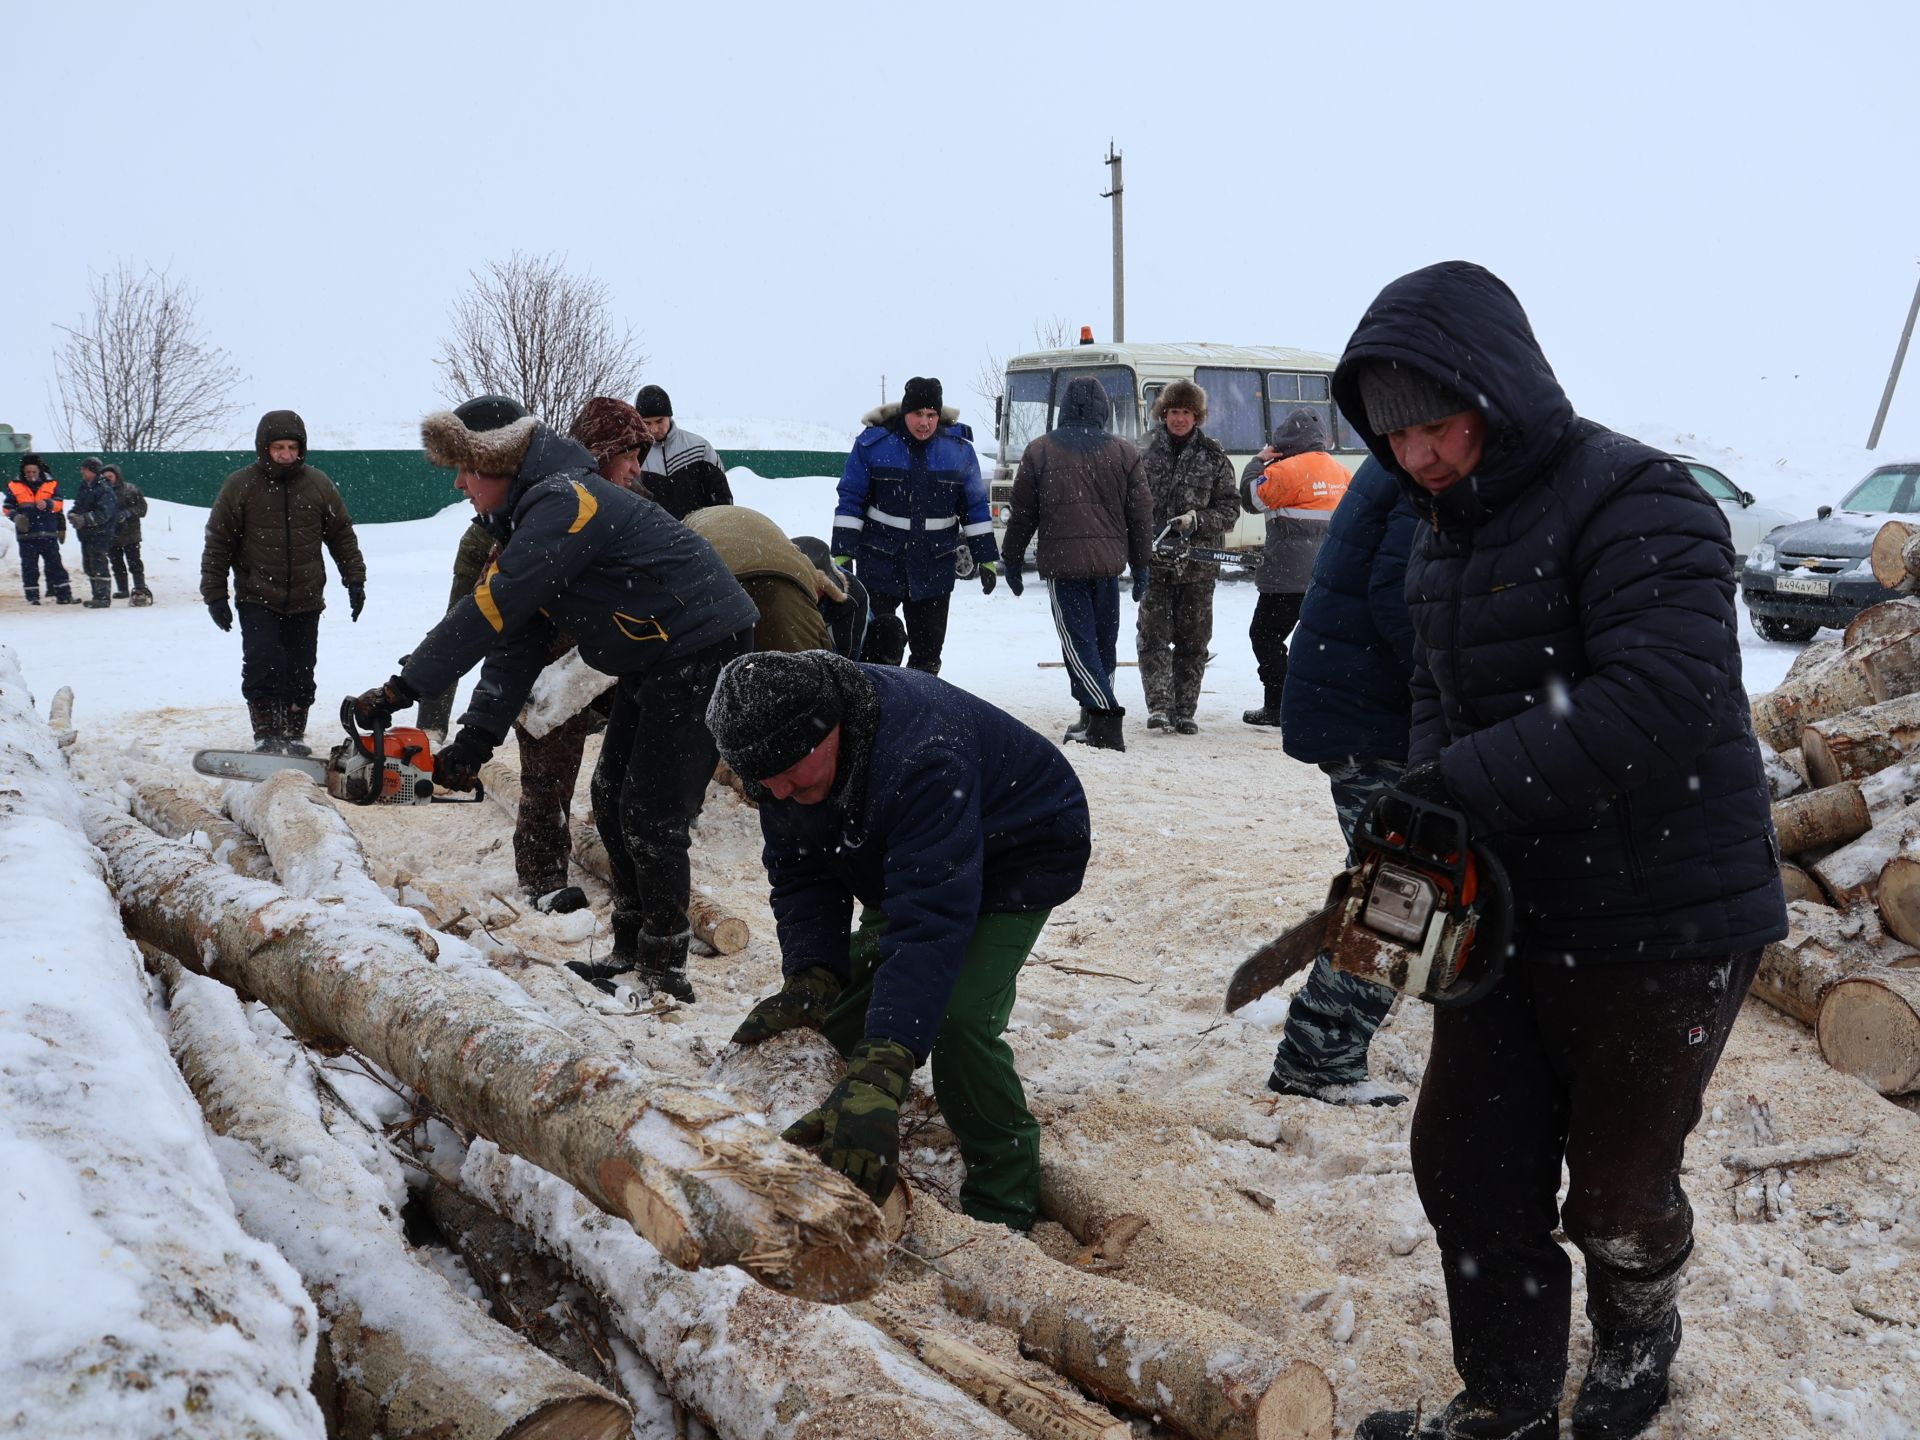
x=883 y=414
x=452 y=446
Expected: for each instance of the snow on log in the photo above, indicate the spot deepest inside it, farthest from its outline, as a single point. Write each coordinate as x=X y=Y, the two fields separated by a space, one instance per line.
x=1198 y=1372
x=409 y=1356
x=60 y=717
x=1856 y=744
x=180 y=816
x=1784 y=776
x=136 y=1304
x=1851 y=874
x=786 y=1076
x=752 y=1363
x=1814 y=653
x=691 y=1172
x=1889 y=620
x=1888 y=557
x=1821 y=817
x=1869 y=1027
x=1799 y=885
x=1825 y=689
x=565 y=688
x=1822 y=948
x=1802 y=1152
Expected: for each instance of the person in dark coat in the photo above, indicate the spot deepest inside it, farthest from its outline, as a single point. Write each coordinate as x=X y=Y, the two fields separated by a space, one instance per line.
x=124 y=556
x=680 y=472
x=644 y=598
x=956 y=830
x=93 y=514
x=846 y=616
x=1082 y=491
x=1297 y=485
x=37 y=512
x=1577 y=698
x=910 y=496
x=267 y=528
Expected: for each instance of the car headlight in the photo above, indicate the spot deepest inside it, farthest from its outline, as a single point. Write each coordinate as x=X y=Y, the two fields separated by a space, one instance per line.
x=1761 y=556
x=1864 y=569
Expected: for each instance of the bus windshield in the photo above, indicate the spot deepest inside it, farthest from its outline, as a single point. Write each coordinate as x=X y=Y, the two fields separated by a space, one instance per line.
x=1033 y=402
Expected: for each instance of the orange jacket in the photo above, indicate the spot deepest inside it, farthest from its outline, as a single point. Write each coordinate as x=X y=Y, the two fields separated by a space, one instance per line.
x=22 y=498
x=1313 y=480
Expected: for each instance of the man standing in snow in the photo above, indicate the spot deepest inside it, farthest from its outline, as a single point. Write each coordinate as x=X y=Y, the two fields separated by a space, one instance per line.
x=682 y=472
x=94 y=513
x=1577 y=698
x=34 y=506
x=125 y=554
x=956 y=829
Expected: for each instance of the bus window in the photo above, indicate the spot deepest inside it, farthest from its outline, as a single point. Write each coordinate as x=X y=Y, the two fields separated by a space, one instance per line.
x=1027 y=411
x=1288 y=391
x=1234 y=416
x=1118 y=382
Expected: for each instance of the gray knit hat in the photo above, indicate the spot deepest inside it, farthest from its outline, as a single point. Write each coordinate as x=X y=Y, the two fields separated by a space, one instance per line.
x=1399 y=396
x=770 y=709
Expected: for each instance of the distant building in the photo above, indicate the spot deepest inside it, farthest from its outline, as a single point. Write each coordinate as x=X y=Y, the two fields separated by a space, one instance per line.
x=14 y=443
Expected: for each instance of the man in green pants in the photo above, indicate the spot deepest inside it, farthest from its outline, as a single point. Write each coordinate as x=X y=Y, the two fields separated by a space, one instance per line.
x=956 y=829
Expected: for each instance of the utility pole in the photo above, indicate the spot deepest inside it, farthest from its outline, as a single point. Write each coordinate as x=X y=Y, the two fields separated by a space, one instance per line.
x=1120 y=248
x=1893 y=377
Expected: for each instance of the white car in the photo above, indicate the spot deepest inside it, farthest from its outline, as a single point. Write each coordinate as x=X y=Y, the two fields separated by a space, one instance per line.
x=1749 y=520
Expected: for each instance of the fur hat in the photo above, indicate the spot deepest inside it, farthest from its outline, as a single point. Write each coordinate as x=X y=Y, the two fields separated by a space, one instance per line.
x=489 y=434
x=652 y=402
x=770 y=709
x=32 y=458
x=1399 y=396
x=1301 y=431
x=608 y=427
x=1182 y=395
x=922 y=393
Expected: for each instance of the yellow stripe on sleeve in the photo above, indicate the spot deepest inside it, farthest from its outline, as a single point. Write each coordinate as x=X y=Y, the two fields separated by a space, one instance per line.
x=589 y=507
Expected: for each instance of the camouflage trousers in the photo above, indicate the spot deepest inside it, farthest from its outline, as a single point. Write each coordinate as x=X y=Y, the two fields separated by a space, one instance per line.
x=549 y=770
x=1332 y=1020
x=1174 y=624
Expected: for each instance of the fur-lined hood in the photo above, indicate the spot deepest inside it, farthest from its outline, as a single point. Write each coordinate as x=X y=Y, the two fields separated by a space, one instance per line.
x=882 y=414
x=452 y=446
x=1181 y=395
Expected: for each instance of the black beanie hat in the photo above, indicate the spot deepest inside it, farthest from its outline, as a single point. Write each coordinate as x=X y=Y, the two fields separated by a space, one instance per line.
x=652 y=402
x=90 y=465
x=1399 y=397
x=922 y=393
x=770 y=709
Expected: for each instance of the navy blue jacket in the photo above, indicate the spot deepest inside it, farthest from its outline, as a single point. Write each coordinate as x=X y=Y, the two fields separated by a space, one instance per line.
x=905 y=506
x=1350 y=662
x=1578 y=666
x=94 y=511
x=966 y=812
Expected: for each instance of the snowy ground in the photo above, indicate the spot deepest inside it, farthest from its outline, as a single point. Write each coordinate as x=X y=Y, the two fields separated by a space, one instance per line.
x=1296 y=1219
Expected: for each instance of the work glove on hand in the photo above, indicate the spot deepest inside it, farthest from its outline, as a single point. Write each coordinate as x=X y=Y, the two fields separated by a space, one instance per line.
x=375 y=707
x=457 y=766
x=1139 y=586
x=1183 y=524
x=989 y=577
x=356 y=600
x=801 y=1004
x=1426 y=782
x=856 y=1130
x=1016 y=579
x=221 y=612
x=845 y=562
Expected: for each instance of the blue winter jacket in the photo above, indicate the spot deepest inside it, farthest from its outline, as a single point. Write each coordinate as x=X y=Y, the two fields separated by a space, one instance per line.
x=966 y=812
x=906 y=506
x=1350 y=661
x=94 y=511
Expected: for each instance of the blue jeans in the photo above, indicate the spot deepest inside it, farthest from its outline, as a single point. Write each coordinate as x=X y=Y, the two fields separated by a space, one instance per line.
x=1086 y=612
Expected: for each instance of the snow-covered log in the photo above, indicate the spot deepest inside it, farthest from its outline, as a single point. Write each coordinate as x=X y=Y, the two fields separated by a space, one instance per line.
x=1869 y=1027
x=565 y=688
x=1889 y=620
x=1851 y=874
x=1862 y=741
x=60 y=717
x=1201 y=1374
x=409 y=1356
x=1822 y=948
x=180 y=816
x=1786 y=771
x=752 y=1363
x=135 y=1303
x=1800 y=885
x=1825 y=689
x=1821 y=817
x=696 y=1175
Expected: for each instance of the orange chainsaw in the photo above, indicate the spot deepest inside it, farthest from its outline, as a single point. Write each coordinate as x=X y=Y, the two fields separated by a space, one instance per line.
x=388 y=766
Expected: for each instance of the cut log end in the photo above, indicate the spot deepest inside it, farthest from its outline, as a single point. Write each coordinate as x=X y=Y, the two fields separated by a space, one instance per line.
x=1869 y=1027
x=1886 y=556
x=1297 y=1406
x=1799 y=885
x=1900 y=898
x=582 y=1419
x=651 y=1212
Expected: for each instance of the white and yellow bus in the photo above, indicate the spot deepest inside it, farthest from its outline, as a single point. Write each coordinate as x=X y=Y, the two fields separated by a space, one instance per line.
x=1250 y=389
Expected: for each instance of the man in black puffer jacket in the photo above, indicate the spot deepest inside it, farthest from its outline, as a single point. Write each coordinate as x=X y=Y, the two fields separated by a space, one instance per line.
x=1577 y=695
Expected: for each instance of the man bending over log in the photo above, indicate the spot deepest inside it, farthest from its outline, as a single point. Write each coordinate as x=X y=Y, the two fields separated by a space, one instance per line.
x=957 y=829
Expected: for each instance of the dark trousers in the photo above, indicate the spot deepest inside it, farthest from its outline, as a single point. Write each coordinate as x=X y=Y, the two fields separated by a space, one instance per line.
x=926 y=627
x=36 y=551
x=1086 y=612
x=1274 y=617
x=655 y=762
x=1172 y=628
x=549 y=770
x=125 y=558
x=276 y=655
x=93 y=560
x=1603 y=1066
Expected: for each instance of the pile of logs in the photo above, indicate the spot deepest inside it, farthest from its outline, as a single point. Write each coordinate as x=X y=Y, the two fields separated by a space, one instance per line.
x=1844 y=729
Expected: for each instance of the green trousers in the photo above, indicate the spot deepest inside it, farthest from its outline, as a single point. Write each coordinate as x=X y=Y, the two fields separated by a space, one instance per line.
x=973 y=1075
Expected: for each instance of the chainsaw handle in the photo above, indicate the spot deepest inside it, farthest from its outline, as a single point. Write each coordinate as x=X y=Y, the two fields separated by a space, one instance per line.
x=1497 y=943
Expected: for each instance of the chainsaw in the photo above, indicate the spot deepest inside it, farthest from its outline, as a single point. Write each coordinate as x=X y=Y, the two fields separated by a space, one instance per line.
x=1167 y=547
x=383 y=767
x=1422 y=910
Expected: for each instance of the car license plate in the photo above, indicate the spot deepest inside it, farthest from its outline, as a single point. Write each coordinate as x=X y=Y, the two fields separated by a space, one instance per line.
x=1802 y=585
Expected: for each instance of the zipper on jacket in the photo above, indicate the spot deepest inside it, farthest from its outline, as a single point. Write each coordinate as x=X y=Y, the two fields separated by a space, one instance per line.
x=1636 y=872
x=286 y=512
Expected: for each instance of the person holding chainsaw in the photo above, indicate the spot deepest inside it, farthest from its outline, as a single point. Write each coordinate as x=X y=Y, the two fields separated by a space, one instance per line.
x=956 y=830
x=646 y=600
x=1577 y=699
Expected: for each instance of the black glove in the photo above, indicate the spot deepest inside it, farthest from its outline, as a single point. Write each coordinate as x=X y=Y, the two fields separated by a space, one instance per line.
x=457 y=766
x=375 y=707
x=356 y=600
x=1426 y=782
x=1016 y=581
x=801 y=1004
x=856 y=1130
x=989 y=577
x=1139 y=586
x=221 y=612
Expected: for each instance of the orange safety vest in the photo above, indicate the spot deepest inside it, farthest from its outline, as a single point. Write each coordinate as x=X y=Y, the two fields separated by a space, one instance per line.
x=1312 y=480
x=25 y=494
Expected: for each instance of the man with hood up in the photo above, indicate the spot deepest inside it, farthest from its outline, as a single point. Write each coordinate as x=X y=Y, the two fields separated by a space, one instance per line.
x=267 y=527
x=1577 y=698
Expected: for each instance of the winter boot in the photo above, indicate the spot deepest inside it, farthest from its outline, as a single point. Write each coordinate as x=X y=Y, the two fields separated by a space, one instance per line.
x=1267 y=714
x=561 y=900
x=1284 y=1080
x=1103 y=730
x=293 y=735
x=1184 y=725
x=1626 y=1379
x=1158 y=721
x=1461 y=1420
x=33 y=598
x=120 y=591
x=269 y=719
x=64 y=597
x=663 y=965
x=1077 y=732
x=102 y=596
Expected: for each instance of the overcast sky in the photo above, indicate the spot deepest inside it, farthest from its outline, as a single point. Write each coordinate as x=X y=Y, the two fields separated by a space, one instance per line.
x=1709 y=210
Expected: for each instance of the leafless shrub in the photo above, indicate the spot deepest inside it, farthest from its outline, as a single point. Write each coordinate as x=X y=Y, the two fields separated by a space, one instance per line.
x=136 y=373
x=990 y=380
x=531 y=329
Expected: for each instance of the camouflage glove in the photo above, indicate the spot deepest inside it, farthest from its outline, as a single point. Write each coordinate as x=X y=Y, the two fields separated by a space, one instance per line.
x=801 y=1004
x=857 y=1129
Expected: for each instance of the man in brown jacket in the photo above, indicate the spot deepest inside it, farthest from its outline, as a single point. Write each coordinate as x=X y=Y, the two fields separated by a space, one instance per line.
x=267 y=527
x=1084 y=493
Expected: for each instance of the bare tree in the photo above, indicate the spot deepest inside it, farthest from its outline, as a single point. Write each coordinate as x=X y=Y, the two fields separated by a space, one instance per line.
x=531 y=329
x=136 y=373
x=990 y=380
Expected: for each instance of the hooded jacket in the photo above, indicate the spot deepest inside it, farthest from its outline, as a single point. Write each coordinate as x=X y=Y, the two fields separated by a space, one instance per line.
x=781 y=582
x=1577 y=670
x=133 y=509
x=268 y=525
x=1298 y=491
x=1084 y=492
x=633 y=586
x=907 y=505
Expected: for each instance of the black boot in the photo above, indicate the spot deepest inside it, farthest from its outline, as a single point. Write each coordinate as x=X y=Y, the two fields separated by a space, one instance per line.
x=1267 y=714
x=1626 y=1380
x=1104 y=731
x=268 y=720
x=120 y=591
x=1077 y=732
x=1185 y=725
x=559 y=900
x=1461 y=1420
x=663 y=965
x=32 y=598
x=102 y=596
x=293 y=733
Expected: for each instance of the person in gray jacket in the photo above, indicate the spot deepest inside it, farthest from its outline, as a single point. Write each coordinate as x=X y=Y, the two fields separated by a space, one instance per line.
x=646 y=600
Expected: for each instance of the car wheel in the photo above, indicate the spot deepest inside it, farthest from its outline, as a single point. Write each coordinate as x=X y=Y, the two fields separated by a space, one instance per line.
x=1773 y=627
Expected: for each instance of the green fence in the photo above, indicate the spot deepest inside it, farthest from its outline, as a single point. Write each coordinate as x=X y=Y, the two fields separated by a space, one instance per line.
x=378 y=485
